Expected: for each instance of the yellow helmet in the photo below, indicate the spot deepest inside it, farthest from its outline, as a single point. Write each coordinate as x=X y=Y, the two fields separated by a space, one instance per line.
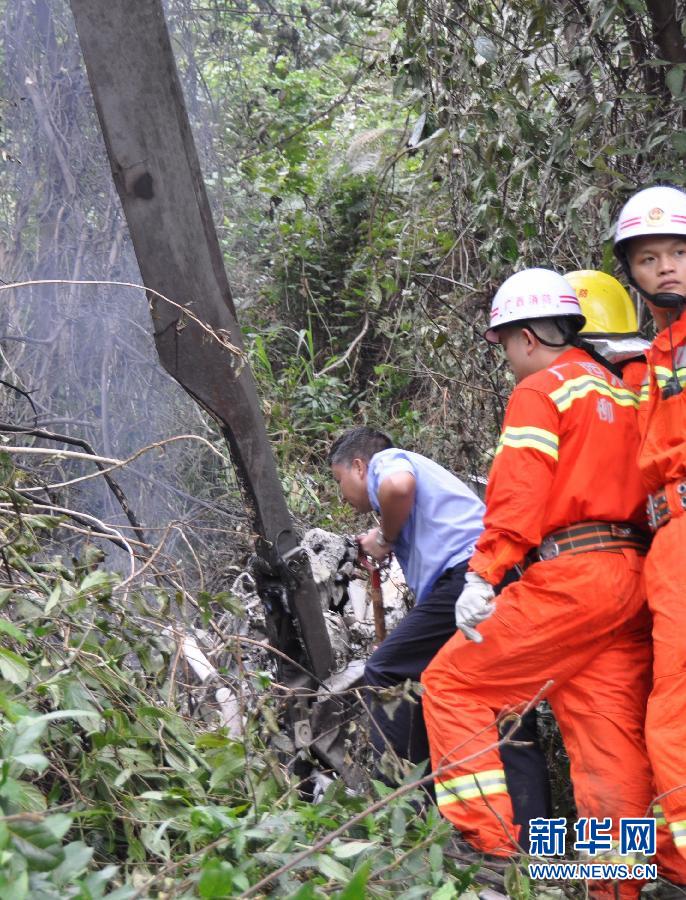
x=606 y=304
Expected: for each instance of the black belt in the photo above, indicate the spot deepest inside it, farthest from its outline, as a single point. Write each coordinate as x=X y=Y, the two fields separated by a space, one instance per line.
x=666 y=504
x=586 y=537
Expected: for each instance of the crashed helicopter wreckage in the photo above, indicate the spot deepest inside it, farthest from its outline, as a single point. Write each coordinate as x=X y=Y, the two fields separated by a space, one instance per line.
x=149 y=142
x=324 y=726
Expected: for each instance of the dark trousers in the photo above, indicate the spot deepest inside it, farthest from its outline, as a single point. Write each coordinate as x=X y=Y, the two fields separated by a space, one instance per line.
x=404 y=654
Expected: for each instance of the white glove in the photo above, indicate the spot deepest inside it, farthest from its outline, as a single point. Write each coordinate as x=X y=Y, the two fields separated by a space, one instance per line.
x=474 y=605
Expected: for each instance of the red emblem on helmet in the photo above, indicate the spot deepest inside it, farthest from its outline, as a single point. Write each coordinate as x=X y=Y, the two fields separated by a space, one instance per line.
x=655 y=215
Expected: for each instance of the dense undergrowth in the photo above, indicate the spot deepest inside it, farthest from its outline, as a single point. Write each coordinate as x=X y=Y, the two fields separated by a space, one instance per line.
x=375 y=171
x=117 y=778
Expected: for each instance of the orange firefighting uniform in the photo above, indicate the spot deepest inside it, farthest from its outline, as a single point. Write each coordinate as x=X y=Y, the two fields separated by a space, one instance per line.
x=662 y=461
x=574 y=628
x=634 y=373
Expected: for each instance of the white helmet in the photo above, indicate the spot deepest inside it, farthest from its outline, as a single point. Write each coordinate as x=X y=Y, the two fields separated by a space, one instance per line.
x=654 y=210
x=533 y=294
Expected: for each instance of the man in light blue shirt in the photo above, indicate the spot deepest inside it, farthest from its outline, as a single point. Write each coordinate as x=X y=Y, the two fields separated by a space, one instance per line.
x=445 y=520
x=430 y=520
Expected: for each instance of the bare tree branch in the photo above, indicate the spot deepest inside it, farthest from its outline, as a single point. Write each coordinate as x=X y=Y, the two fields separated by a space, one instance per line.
x=79 y=442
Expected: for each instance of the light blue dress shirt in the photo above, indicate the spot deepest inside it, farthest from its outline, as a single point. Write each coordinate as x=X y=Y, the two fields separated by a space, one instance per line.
x=446 y=519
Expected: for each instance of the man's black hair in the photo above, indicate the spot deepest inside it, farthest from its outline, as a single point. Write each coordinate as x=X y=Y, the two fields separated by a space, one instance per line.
x=568 y=329
x=358 y=443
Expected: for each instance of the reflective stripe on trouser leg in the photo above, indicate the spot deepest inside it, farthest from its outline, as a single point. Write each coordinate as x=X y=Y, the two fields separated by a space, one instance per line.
x=665 y=577
x=462 y=736
x=469 y=787
x=678 y=830
x=538 y=635
x=670 y=862
x=601 y=714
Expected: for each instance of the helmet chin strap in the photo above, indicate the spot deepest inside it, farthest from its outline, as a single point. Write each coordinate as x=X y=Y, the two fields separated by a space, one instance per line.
x=542 y=340
x=676 y=303
x=663 y=300
x=572 y=338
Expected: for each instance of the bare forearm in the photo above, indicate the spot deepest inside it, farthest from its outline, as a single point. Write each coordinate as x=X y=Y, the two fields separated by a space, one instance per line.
x=396 y=499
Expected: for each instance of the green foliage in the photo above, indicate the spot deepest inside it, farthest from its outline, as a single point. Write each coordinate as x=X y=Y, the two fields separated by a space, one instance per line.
x=107 y=788
x=376 y=170
x=485 y=139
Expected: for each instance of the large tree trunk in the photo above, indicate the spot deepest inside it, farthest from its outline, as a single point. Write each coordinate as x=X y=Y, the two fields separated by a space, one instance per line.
x=147 y=133
x=667 y=30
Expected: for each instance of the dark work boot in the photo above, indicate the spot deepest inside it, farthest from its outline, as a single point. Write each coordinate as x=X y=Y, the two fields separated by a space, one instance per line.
x=665 y=890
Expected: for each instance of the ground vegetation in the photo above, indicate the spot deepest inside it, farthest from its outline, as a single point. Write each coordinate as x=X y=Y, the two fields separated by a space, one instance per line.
x=375 y=171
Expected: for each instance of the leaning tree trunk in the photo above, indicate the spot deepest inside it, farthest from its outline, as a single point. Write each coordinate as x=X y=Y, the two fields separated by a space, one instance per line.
x=138 y=97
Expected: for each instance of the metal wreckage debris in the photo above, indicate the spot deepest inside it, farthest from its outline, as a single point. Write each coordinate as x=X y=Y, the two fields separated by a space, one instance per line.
x=323 y=722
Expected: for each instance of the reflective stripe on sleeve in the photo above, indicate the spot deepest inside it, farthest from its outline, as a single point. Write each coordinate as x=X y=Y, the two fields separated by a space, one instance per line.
x=659 y=815
x=468 y=787
x=576 y=388
x=528 y=436
x=663 y=374
x=678 y=830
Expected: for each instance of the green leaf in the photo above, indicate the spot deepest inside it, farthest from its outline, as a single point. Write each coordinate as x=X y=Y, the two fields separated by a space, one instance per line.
x=36 y=843
x=509 y=248
x=9 y=628
x=54 y=598
x=42 y=521
x=356 y=889
x=332 y=869
x=351 y=848
x=22 y=796
x=216 y=880
x=29 y=729
x=445 y=892
x=436 y=857
x=35 y=761
x=581 y=200
x=306 y=892
x=155 y=840
x=77 y=857
x=398 y=825
x=485 y=47
x=675 y=80
x=517 y=884
x=12 y=667
x=76 y=696
x=14 y=886
x=97 y=882
x=679 y=141
x=97 y=581
x=58 y=824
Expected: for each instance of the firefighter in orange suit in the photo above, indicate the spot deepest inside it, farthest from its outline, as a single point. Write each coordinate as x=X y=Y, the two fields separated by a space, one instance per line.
x=612 y=330
x=564 y=499
x=650 y=241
